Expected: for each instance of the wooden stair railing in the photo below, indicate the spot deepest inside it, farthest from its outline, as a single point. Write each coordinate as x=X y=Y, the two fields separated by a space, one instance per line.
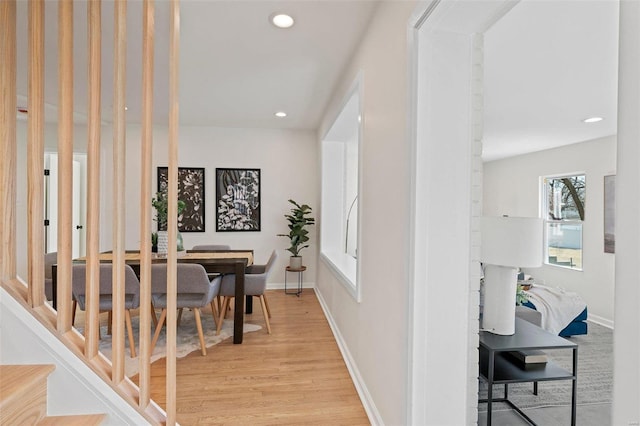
x=60 y=322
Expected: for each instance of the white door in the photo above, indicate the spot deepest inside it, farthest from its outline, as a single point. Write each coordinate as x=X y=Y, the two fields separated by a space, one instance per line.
x=51 y=206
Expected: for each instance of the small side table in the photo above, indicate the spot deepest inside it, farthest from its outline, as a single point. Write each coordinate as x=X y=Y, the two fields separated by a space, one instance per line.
x=299 y=272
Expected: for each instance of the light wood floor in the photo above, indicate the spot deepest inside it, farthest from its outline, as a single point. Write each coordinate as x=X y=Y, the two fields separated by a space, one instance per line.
x=294 y=376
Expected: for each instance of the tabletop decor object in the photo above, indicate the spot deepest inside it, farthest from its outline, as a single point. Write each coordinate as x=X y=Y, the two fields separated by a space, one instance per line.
x=507 y=244
x=298 y=234
x=160 y=203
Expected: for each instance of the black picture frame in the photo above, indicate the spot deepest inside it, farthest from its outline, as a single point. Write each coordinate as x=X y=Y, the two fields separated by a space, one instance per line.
x=191 y=191
x=237 y=200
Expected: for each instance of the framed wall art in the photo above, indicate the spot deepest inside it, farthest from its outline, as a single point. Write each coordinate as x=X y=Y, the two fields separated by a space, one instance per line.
x=191 y=191
x=609 y=214
x=237 y=200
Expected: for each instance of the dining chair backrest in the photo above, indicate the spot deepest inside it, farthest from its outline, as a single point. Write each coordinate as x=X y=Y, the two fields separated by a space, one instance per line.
x=266 y=268
x=212 y=247
x=255 y=279
x=50 y=259
x=193 y=286
x=131 y=286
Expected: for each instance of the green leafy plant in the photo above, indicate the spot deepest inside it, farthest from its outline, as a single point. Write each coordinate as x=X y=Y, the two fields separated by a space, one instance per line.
x=298 y=220
x=159 y=202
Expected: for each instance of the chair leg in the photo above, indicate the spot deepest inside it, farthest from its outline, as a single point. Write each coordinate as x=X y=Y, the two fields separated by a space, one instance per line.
x=74 y=306
x=214 y=312
x=163 y=316
x=154 y=317
x=266 y=303
x=223 y=310
x=179 y=316
x=132 y=344
x=109 y=323
x=203 y=348
x=265 y=312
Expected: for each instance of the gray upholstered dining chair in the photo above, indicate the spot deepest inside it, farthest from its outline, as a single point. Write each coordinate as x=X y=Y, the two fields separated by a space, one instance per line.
x=255 y=283
x=212 y=247
x=194 y=291
x=50 y=259
x=131 y=297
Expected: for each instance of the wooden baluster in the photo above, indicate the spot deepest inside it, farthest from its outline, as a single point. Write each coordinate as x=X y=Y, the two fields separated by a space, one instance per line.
x=35 y=154
x=8 y=144
x=144 y=378
x=92 y=319
x=172 y=225
x=65 y=161
x=119 y=154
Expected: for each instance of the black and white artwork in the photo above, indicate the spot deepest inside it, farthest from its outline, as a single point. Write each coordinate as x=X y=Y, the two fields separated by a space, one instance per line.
x=609 y=214
x=191 y=192
x=237 y=200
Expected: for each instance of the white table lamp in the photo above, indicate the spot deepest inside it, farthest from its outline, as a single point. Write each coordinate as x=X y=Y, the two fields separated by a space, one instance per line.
x=508 y=243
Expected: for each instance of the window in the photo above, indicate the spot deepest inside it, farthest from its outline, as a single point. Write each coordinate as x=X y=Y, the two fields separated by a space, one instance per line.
x=340 y=187
x=563 y=211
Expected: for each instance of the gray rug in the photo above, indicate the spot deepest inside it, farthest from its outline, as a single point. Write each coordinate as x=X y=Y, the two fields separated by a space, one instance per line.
x=595 y=375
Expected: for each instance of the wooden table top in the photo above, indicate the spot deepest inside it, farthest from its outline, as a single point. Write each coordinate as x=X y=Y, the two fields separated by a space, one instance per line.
x=134 y=256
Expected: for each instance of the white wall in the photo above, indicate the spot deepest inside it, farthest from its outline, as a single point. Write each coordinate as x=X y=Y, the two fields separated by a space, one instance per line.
x=289 y=169
x=626 y=341
x=512 y=187
x=374 y=332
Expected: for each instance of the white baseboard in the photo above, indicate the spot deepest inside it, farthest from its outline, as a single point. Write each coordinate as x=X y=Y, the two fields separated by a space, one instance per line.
x=600 y=320
x=361 y=388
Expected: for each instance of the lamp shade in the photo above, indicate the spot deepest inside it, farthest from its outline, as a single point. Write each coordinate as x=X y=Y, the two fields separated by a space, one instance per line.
x=511 y=241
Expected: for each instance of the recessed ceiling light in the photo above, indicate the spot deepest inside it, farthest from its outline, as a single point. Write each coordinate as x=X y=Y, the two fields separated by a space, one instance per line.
x=592 y=119
x=281 y=114
x=281 y=20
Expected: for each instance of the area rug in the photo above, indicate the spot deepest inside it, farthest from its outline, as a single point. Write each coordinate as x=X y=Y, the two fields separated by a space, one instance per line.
x=187 y=339
x=595 y=375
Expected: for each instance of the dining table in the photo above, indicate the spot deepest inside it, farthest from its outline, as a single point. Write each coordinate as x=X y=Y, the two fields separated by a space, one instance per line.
x=213 y=261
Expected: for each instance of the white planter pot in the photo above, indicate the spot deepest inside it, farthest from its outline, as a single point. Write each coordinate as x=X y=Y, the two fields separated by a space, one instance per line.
x=295 y=262
x=163 y=242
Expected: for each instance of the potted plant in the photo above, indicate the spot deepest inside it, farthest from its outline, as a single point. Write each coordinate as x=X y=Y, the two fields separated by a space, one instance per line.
x=159 y=202
x=298 y=220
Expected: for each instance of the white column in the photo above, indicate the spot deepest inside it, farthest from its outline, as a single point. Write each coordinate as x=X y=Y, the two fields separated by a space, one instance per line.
x=626 y=383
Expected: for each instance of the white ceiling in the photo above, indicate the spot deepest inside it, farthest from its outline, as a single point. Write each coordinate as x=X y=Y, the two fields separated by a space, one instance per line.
x=549 y=64
x=236 y=68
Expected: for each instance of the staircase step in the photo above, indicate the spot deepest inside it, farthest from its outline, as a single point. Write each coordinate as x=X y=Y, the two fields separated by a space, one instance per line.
x=23 y=393
x=79 y=420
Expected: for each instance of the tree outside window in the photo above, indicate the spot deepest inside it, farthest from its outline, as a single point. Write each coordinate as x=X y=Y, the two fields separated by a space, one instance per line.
x=564 y=215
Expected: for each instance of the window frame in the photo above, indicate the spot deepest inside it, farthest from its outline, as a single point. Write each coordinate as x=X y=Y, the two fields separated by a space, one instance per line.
x=336 y=204
x=544 y=213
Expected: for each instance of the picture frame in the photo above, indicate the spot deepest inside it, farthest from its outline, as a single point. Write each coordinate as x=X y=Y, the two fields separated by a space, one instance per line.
x=609 y=213
x=237 y=200
x=191 y=190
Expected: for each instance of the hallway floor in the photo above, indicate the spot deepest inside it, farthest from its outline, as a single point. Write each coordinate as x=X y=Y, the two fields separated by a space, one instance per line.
x=294 y=376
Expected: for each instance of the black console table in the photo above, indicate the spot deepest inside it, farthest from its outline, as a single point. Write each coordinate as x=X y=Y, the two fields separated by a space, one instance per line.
x=497 y=366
